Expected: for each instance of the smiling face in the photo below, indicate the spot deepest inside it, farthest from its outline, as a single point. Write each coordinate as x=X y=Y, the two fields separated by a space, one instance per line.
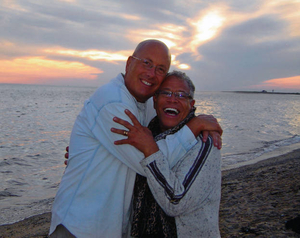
x=172 y=110
x=141 y=82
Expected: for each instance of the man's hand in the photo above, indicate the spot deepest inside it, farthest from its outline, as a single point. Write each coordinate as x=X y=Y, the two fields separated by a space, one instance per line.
x=136 y=135
x=217 y=139
x=207 y=125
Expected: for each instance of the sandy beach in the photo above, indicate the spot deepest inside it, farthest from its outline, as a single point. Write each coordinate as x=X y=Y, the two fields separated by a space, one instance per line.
x=259 y=200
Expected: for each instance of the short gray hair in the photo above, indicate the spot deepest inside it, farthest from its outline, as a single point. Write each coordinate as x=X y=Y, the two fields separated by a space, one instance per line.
x=182 y=76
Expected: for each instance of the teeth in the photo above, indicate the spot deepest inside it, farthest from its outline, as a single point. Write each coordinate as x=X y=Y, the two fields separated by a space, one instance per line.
x=171 y=110
x=149 y=84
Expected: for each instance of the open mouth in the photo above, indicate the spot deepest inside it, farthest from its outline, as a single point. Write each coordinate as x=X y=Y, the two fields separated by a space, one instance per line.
x=171 y=111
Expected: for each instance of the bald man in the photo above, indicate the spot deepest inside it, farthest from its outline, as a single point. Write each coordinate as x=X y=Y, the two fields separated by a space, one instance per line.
x=94 y=196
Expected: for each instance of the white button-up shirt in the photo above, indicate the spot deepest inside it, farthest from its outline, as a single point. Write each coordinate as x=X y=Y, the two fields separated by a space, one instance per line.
x=95 y=193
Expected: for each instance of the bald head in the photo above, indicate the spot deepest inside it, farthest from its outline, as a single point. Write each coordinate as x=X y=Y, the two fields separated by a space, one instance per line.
x=153 y=44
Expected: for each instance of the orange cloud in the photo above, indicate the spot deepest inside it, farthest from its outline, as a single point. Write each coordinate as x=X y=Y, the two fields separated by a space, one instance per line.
x=92 y=54
x=36 y=69
x=291 y=83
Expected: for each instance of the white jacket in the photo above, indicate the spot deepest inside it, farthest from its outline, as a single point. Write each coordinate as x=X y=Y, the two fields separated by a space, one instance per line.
x=190 y=191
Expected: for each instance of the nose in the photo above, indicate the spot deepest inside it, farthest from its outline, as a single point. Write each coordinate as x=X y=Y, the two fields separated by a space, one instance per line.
x=151 y=72
x=172 y=98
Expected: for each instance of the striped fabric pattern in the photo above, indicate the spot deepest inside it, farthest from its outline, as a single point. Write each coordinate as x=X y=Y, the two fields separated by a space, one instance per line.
x=189 y=177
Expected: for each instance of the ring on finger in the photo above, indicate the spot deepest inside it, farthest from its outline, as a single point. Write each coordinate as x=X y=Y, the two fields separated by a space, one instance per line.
x=125 y=133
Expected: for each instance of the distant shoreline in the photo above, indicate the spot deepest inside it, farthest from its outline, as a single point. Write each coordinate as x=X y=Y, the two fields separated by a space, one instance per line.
x=261 y=92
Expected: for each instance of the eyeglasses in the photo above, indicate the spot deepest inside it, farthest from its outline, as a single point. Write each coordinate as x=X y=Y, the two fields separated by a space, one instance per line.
x=178 y=95
x=149 y=65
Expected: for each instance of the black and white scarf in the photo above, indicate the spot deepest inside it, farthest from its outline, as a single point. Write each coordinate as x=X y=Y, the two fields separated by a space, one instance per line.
x=149 y=220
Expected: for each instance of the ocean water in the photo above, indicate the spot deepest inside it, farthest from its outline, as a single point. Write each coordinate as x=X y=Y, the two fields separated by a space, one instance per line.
x=36 y=122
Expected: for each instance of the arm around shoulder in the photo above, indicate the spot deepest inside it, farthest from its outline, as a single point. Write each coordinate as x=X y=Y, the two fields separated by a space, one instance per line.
x=202 y=123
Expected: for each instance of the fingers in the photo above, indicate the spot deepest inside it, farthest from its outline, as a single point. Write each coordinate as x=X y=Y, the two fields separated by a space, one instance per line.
x=204 y=136
x=119 y=131
x=220 y=143
x=67 y=153
x=132 y=117
x=221 y=131
x=122 y=122
x=127 y=140
x=217 y=140
x=219 y=128
x=66 y=156
x=122 y=142
x=128 y=125
x=136 y=125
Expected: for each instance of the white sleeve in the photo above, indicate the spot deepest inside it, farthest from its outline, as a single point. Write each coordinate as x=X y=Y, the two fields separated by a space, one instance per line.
x=174 y=146
x=186 y=187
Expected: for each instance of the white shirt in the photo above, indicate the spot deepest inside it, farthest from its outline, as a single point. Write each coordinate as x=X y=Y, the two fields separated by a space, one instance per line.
x=95 y=193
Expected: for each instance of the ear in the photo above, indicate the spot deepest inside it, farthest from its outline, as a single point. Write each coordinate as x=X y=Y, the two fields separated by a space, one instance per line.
x=128 y=62
x=192 y=103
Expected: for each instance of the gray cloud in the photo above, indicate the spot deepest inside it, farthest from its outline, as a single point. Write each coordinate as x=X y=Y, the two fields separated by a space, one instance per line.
x=244 y=54
x=72 y=27
x=237 y=59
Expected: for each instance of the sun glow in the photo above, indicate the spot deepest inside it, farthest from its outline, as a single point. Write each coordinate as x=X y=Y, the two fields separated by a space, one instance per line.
x=184 y=66
x=170 y=34
x=187 y=37
x=92 y=54
x=35 y=69
x=206 y=28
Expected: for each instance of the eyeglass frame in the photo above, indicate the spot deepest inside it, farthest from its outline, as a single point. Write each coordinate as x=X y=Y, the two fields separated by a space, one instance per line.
x=148 y=67
x=177 y=95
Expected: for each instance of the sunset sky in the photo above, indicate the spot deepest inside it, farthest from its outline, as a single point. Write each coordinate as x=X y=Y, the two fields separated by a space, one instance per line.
x=221 y=45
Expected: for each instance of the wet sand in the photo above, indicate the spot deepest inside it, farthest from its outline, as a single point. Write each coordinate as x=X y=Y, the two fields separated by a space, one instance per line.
x=258 y=200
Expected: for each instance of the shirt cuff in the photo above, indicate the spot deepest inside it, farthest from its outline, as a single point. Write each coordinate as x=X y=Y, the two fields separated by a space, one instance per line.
x=144 y=162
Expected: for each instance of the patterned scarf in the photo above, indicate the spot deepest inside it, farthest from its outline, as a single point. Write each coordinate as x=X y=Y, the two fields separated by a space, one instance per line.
x=149 y=220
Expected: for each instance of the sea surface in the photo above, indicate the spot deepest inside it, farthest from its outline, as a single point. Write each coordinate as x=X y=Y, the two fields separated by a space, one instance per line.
x=36 y=122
